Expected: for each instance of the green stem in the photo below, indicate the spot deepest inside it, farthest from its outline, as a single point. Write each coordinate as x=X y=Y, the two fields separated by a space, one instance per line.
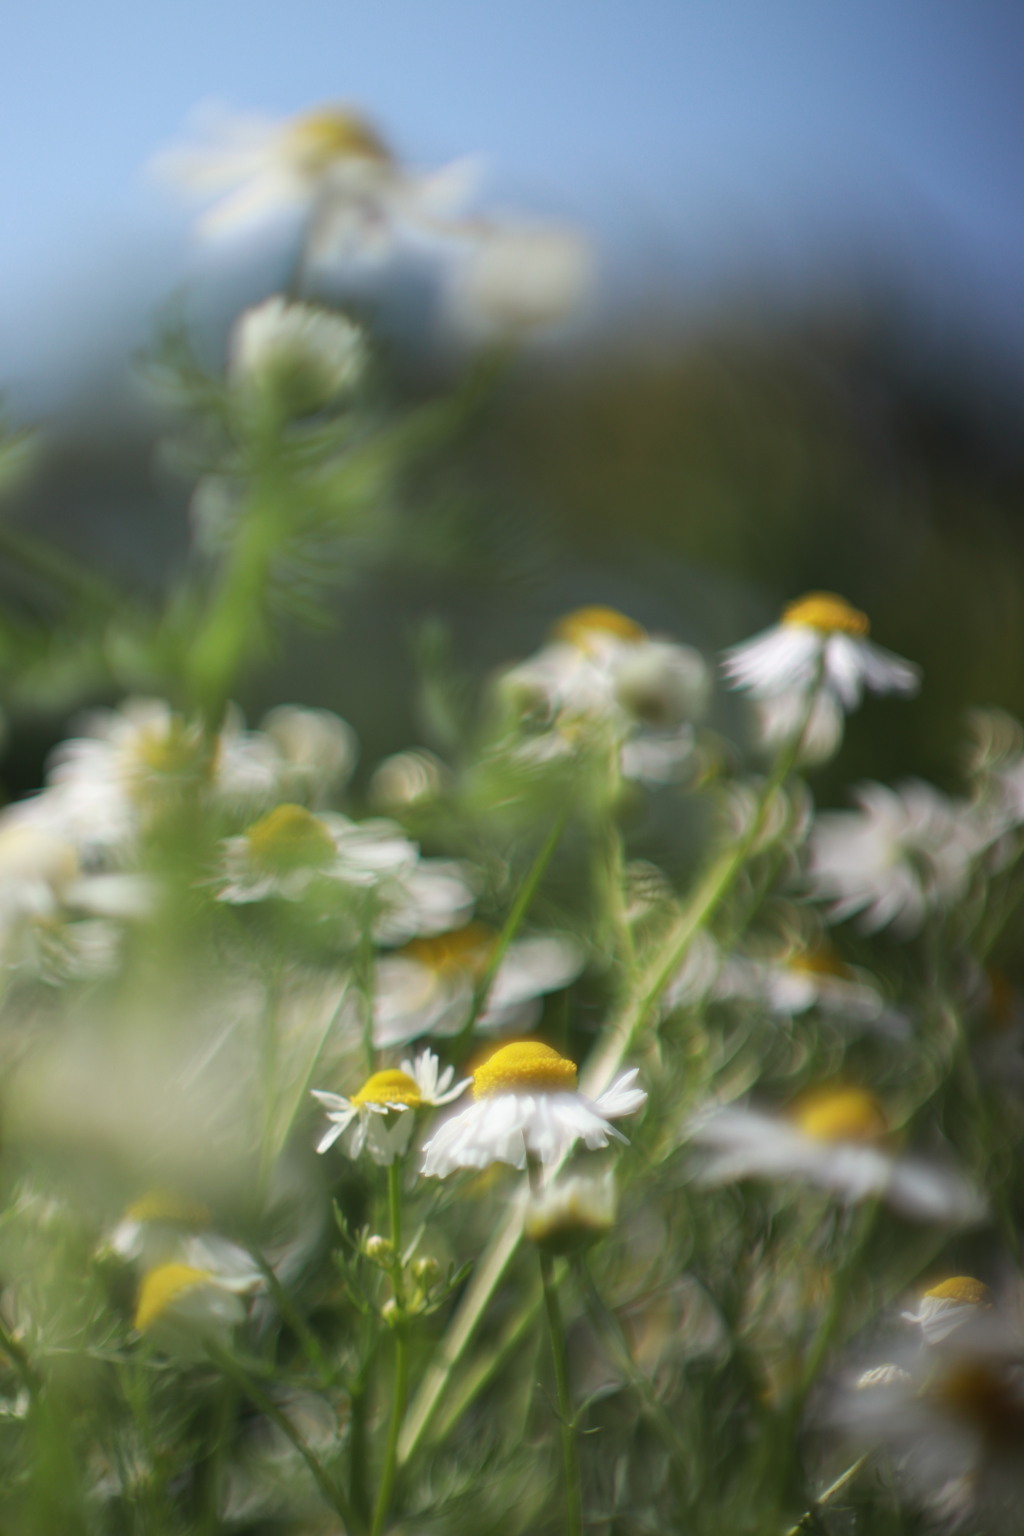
x=511 y=927
x=326 y=1484
x=807 y=1520
x=567 y=1424
x=400 y=1389
x=18 y=1357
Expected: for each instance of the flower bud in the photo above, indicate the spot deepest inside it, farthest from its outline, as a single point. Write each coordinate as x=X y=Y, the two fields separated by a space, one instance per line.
x=294 y=358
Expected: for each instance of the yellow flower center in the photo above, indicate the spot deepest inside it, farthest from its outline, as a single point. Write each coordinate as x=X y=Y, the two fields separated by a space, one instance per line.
x=317 y=139
x=162 y=1287
x=173 y=749
x=464 y=949
x=389 y=1087
x=289 y=837
x=827 y=612
x=962 y=1288
x=840 y=1114
x=817 y=960
x=584 y=626
x=525 y=1066
x=165 y=1205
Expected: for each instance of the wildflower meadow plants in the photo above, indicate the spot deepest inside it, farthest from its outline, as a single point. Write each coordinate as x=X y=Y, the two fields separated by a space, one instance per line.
x=418 y=1157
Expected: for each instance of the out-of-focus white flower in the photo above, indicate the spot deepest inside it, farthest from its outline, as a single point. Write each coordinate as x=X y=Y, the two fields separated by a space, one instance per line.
x=294 y=357
x=162 y=1227
x=406 y=780
x=569 y=1213
x=527 y=1104
x=284 y=852
x=818 y=636
x=809 y=669
x=318 y=751
x=330 y=165
x=516 y=278
x=376 y=1117
x=601 y=670
x=805 y=978
x=952 y=1422
x=433 y=896
x=181 y=1306
x=134 y=763
x=904 y=853
x=833 y=1138
x=427 y=988
x=950 y=1306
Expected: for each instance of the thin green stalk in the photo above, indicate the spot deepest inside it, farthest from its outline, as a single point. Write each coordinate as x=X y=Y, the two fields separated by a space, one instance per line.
x=563 y=1391
x=18 y=1357
x=400 y=1389
x=808 y=1519
x=598 y=1076
x=511 y=927
x=326 y=1484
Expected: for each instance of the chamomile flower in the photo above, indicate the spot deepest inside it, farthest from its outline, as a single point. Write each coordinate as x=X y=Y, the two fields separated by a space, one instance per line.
x=427 y=988
x=819 y=637
x=834 y=1138
x=377 y=1118
x=329 y=165
x=954 y=1304
x=526 y=1104
x=602 y=672
x=181 y=1306
x=317 y=751
x=906 y=852
x=811 y=976
x=162 y=1227
x=516 y=278
x=133 y=764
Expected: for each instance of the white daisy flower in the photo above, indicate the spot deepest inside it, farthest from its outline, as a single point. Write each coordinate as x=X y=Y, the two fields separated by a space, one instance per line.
x=329 y=165
x=527 y=1104
x=806 y=978
x=516 y=278
x=180 y=1306
x=602 y=671
x=818 y=636
x=905 y=853
x=949 y=1307
x=294 y=358
x=134 y=763
x=834 y=1138
x=376 y=1117
x=289 y=848
x=427 y=988
x=161 y=1227
x=318 y=751
x=953 y=1425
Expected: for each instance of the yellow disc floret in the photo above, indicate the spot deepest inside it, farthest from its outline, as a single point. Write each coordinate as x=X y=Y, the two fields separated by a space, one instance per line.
x=828 y=612
x=162 y=1287
x=525 y=1066
x=584 y=626
x=389 y=1087
x=962 y=1288
x=166 y=1205
x=462 y=949
x=289 y=837
x=317 y=139
x=817 y=960
x=840 y=1114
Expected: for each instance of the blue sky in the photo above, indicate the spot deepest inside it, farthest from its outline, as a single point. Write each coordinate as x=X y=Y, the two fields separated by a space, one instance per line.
x=705 y=136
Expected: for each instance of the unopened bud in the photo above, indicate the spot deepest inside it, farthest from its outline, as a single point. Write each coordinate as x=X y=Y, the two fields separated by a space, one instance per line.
x=380 y=1250
x=425 y=1272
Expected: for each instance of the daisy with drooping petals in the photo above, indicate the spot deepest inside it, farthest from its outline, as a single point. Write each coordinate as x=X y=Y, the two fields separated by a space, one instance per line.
x=810 y=976
x=906 y=852
x=834 y=1138
x=526 y=1104
x=377 y=1116
x=180 y=1306
x=329 y=164
x=812 y=667
x=946 y=1308
x=292 y=358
